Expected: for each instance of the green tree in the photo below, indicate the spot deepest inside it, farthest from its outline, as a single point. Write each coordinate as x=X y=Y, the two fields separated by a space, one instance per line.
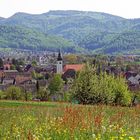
x=34 y=75
x=71 y=58
x=83 y=87
x=37 y=86
x=56 y=84
x=13 y=93
x=27 y=96
x=37 y=76
x=21 y=62
x=14 y=62
x=34 y=63
x=2 y=95
x=122 y=94
x=1 y=62
x=13 y=67
x=92 y=88
x=43 y=94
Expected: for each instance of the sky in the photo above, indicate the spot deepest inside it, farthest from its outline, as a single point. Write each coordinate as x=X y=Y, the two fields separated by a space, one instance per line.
x=123 y=8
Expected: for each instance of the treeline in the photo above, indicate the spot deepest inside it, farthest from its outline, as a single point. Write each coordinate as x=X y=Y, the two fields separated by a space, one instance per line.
x=90 y=86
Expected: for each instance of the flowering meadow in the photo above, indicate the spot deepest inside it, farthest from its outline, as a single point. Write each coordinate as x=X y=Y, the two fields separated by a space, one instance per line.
x=61 y=121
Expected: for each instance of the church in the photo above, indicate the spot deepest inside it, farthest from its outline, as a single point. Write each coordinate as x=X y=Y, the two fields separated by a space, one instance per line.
x=62 y=68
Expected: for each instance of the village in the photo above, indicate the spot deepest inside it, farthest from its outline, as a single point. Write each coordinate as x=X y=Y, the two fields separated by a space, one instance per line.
x=28 y=70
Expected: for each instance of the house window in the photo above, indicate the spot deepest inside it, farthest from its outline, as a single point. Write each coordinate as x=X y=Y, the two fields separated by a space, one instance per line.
x=59 y=62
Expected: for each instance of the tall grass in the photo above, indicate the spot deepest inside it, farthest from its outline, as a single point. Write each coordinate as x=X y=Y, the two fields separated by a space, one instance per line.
x=56 y=121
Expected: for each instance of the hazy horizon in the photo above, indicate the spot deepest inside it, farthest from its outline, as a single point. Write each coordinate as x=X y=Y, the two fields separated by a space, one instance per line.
x=126 y=9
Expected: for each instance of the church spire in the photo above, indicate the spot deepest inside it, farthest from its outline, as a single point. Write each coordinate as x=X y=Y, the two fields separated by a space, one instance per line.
x=59 y=58
x=59 y=63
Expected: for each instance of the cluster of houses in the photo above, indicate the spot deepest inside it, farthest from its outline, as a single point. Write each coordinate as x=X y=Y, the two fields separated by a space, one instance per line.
x=27 y=82
x=25 y=79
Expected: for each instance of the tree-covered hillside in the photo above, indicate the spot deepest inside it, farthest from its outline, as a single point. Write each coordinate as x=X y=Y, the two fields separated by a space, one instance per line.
x=70 y=24
x=25 y=38
x=107 y=42
x=94 y=31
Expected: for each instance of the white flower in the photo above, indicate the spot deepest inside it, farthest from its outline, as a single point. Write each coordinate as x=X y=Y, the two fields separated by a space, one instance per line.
x=93 y=135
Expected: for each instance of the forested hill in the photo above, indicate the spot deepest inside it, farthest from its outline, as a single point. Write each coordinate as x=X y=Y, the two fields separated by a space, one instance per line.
x=25 y=38
x=70 y=24
x=107 y=42
x=99 y=32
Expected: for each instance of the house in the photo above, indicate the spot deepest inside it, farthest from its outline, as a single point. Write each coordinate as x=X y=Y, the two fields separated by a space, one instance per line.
x=7 y=81
x=10 y=73
x=129 y=74
x=70 y=73
x=138 y=77
x=28 y=68
x=21 y=78
x=6 y=66
x=28 y=85
x=76 y=67
x=134 y=80
x=13 y=77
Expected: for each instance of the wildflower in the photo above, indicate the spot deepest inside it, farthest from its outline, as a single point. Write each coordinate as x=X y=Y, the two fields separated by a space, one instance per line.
x=114 y=138
x=131 y=138
x=93 y=135
x=104 y=129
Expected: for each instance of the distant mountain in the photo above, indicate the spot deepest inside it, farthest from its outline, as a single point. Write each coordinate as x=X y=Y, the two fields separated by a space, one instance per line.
x=104 y=32
x=25 y=38
x=70 y=24
x=1 y=18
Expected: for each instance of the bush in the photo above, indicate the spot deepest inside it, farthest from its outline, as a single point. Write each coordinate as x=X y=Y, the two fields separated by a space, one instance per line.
x=13 y=93
x=122 y=94
x=92 y=88
x=43 y=94
x=2 y=95
x=27 y=96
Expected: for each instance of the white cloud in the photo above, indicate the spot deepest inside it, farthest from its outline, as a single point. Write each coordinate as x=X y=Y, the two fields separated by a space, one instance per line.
x=124 y=8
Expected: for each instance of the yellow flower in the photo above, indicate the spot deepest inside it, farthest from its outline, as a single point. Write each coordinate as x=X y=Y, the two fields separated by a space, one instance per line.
x=131 y=138
x=114 y=138
x=121 y=138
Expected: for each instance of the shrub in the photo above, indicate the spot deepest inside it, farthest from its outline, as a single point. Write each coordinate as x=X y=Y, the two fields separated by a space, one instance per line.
x=13 y=93
x=2 y=95
x=92 y=88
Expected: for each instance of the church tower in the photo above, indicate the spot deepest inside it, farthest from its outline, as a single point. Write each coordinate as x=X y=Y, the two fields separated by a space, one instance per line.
x=59 y=67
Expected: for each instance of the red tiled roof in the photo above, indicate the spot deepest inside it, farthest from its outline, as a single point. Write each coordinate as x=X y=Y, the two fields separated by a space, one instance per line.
x=76 y=67
x=20 y=79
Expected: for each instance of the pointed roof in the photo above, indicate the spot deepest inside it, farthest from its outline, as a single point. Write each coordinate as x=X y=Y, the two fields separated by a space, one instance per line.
x=59 y=58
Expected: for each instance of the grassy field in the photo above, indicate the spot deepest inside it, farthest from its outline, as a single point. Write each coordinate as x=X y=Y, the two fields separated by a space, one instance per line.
x=60 y=121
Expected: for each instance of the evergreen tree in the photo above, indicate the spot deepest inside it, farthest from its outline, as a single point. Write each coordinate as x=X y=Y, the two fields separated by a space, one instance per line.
x=1 y=62
x=37 y=86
